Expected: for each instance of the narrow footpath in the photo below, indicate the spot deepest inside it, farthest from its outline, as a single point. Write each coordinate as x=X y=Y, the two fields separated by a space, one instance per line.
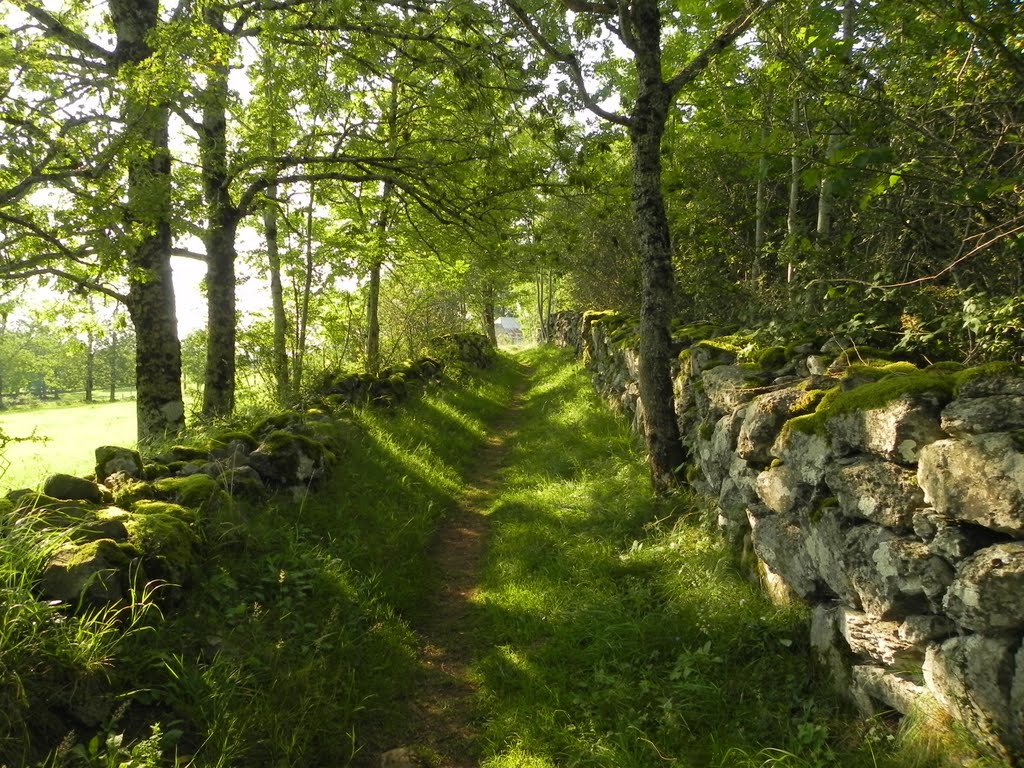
x=442 y=732
x=580 y=620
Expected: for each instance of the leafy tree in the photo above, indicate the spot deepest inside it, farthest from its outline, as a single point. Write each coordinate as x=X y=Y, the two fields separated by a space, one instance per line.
x=639 y=26
x=65 y=71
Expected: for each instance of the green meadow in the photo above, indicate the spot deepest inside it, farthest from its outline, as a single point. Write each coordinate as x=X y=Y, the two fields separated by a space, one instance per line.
x=52 y=439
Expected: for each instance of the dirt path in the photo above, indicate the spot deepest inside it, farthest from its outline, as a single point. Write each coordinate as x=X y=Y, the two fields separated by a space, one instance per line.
x=443 y=719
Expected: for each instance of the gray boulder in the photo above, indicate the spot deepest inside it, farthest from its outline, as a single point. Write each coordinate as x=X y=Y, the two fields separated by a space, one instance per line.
x=876 y=490
x=782 y=490
x=111 y=459
x=977 y=479
x=876 y=641
x=762 y=422
x=780 y=546
x=894 y=576
x=806 y=453
x=724 y=389
x=976 y=415
x=93 y=572
x=287 y=459
x=826 y=542
x=988 y=592
x=896 y=431
x=71 y=488
x=980 y=680
x=716 y=454
x=1005 y=382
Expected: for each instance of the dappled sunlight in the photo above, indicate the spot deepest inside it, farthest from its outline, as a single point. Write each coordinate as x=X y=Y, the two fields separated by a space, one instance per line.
x=621 y=631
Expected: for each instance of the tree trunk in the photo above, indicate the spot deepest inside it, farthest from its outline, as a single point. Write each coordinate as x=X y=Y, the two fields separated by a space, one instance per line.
x=221 y=254
x=159 y=405
x=825 y=190
x=90 y=366
x=488 y=316
x=551 y=295
x=280 y=361
x=542 y=327
x=373 y=318
x=761 y=203
x=792 y=215
x=665 y=450
x=112 y=352
x=303 y=300
x=373 y=290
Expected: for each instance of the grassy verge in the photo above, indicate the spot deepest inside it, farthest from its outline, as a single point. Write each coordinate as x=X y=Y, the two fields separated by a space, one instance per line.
x=615 y=630
x=292 y=643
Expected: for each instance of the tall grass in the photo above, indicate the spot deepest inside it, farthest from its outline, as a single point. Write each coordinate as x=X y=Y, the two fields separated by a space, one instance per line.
x=51 y=652
x=616 y=630
x=294 y=648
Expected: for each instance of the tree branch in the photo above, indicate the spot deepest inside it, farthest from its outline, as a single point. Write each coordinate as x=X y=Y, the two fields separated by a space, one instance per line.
x=60 y=31
x=568 y=61
x=725 y=38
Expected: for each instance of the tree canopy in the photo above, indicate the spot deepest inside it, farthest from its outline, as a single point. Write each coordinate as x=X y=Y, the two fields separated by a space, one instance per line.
x=393 y=169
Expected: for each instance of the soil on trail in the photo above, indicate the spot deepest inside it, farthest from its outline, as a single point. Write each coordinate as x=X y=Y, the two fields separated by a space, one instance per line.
x=442 y=713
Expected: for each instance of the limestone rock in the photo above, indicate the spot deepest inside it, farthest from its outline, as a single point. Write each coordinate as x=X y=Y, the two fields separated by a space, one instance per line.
x=926 y=628
x=876 y=640
x=954 y=542
x=780 y=545
x=93 y=572
x=896 y=431
x=978 y=678
x=763 y=421
x=704 y=356
x=806 y=453
x=894 y=576
x=716 y=454
x=988 y=592
x=826 y=543
x=892 y=691
x=724 y=389
x=744 y=478
x=71 y=488
x=876 y=490
x=827 y=645
x=976 y=415
x=1006 y=382
x=111 y=459
x=782 y=490
x=977 y=479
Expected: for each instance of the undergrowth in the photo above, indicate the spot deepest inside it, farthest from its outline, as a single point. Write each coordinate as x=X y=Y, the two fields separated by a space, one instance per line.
x=293 y=645
x=616 y=630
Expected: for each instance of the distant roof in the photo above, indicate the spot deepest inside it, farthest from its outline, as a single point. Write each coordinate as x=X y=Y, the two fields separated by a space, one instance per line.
x=508 y=323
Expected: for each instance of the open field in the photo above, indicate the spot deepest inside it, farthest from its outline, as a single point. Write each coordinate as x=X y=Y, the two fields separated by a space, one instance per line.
x=72 y=432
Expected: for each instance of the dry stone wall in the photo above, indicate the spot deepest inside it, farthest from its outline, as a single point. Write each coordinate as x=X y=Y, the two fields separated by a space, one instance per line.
x=889 y=498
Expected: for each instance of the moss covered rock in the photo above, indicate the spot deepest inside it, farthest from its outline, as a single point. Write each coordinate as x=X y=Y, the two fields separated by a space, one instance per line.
x=285 y=458
x=95 y=573
x=197 y=491
x=69 y=487
x=165 y=536
x=112 y=460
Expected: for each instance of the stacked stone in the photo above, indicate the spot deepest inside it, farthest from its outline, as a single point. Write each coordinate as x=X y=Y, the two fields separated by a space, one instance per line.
x=901 y=522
